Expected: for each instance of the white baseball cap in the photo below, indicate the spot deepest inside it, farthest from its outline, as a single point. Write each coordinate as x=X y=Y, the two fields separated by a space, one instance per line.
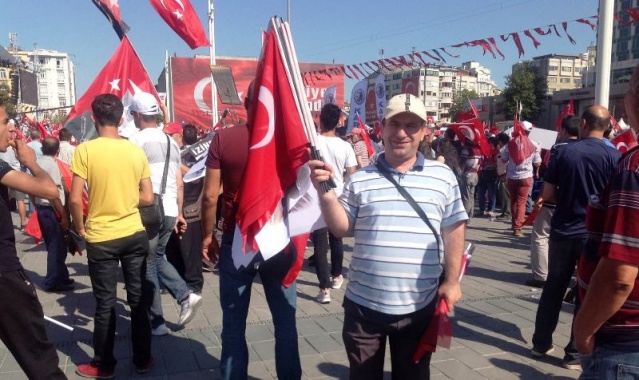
x=405 y=103
x=528 y=126
x=145 y=104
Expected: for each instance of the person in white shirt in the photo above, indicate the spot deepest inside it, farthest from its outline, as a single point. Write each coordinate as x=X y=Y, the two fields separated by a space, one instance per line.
x=66 y=149
x=155 y=143
x=341 y=156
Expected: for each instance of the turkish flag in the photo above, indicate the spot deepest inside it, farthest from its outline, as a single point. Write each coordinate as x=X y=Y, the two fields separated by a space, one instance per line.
x=473 y=131
x=181 y=17
x=367 y=140
x=625 y=141
x=615 y=125
x=468 y=114
x=568 y=110
x=277 y=146
x=520 y=147
x=111 y=10
x=124 y=75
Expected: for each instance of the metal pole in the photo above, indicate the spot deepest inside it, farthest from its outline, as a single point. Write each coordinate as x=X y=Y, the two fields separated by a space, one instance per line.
x=214 y=115
x=604 y=51
x=288 y=11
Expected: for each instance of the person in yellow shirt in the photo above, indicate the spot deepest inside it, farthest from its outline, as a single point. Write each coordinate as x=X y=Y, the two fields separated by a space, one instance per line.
x=117 y=173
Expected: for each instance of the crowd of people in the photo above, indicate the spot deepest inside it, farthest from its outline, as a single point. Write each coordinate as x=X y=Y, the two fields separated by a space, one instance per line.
x=405 y=196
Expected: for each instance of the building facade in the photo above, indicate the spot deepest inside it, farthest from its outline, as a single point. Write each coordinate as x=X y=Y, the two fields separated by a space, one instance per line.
x=437 y=85
x=562 y=71
x=55 y=78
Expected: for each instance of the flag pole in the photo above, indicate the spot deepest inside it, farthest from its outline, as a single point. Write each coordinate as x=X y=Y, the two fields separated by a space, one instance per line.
x=214 y=115
x=288 y=55
x=166 y=85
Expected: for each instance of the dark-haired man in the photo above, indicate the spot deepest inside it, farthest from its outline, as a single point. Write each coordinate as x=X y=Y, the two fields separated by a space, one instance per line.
x=577 y=172
x=568 y=134
x=21 y=317
x=341 y=156
x=114 y=233
x=53 y=219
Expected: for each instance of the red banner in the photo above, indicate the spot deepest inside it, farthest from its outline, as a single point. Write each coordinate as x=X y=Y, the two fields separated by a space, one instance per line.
x=191 y=84
x=411 y=85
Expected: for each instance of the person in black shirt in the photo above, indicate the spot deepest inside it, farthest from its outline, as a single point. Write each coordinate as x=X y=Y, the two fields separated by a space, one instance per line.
x=21 y=317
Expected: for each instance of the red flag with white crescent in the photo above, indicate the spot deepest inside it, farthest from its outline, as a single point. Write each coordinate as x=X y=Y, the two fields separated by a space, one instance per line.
x=182 y=18
x=625 y=141
x=520 y=147
x=568 y=110
x=277 y=145
x=124 y=75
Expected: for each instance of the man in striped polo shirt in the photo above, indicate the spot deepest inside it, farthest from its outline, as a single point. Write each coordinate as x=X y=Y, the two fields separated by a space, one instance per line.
x=396 y=265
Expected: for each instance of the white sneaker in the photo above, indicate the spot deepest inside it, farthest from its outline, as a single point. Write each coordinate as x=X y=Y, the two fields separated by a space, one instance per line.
x=189 y=307
x=160 y=330
x=324 y=296
x=337 y=282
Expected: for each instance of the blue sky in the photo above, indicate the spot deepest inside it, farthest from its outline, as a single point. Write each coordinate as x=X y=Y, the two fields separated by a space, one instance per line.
x=346 y=31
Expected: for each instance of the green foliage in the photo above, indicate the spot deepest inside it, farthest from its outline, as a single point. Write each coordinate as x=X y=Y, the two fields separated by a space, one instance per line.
x=5 y=100
x=527 y=86
x=460 y=102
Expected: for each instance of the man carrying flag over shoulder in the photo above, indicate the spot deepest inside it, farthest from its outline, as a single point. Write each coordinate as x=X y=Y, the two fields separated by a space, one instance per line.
x=393 y=286
x=256 y=164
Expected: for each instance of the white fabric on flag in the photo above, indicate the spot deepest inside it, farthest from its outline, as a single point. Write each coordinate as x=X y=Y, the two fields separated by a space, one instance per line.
x=329 y=95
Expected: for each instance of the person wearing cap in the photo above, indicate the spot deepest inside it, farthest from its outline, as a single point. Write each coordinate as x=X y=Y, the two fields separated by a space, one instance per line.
x=397 y=261
x=155 y=143
x=520 y=181
x=575 y=174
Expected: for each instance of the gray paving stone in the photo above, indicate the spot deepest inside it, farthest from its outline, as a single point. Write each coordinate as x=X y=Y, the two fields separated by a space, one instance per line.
x=323 y=343
x=258 y=333
x=265 y=349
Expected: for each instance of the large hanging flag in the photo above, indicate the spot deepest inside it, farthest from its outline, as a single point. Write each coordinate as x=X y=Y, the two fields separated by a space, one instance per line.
x=111 y=10
x=277 y=149
x=181 y=17
x=124 y=75
x=358 y=103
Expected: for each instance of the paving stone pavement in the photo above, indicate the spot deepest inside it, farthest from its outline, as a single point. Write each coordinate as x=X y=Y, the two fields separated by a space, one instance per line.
x=492 y=325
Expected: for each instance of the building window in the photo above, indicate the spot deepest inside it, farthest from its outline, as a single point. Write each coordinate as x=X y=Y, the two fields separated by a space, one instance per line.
x=566 y=69
x=397 y=76
x=43 y=87
x=565 y=80
x=61 y=88
x=397 y=86
x=44 y=102
x=63 y=102
x=577 y=81
x=58 y=63
x=553 y=68
x=552 y=79
x=3 y=74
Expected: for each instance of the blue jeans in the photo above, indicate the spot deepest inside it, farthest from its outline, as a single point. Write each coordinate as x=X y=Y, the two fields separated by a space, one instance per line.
x=487 y=187
x=606 y=363
x=235 y=296
x=159 y=269
x=562 y=258
x=57 y=272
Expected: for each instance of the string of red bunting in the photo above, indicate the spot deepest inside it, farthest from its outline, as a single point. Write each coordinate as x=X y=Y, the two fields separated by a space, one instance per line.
x=489 y=45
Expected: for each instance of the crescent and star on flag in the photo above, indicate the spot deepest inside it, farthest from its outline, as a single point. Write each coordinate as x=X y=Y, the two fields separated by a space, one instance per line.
x=177 y=13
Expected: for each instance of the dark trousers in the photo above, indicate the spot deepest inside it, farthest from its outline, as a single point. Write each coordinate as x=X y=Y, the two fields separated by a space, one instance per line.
x=562 y=258
x=104 y=257
x=57 y=272
x=322 y=239
x=22 y=327
x=365 y=332
x=186 y=255
x=487 y=189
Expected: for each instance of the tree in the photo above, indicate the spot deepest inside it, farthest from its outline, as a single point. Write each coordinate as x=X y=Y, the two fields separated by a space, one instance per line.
x=6 y=101
x=460 y=102
x=525 y=85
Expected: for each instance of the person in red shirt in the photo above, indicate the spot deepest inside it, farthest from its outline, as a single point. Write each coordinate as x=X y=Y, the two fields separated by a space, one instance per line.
x=606 y=328
x=225 y=166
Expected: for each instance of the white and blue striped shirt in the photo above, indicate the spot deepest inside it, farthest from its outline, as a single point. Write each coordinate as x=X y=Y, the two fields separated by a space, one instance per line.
x=395 y=265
